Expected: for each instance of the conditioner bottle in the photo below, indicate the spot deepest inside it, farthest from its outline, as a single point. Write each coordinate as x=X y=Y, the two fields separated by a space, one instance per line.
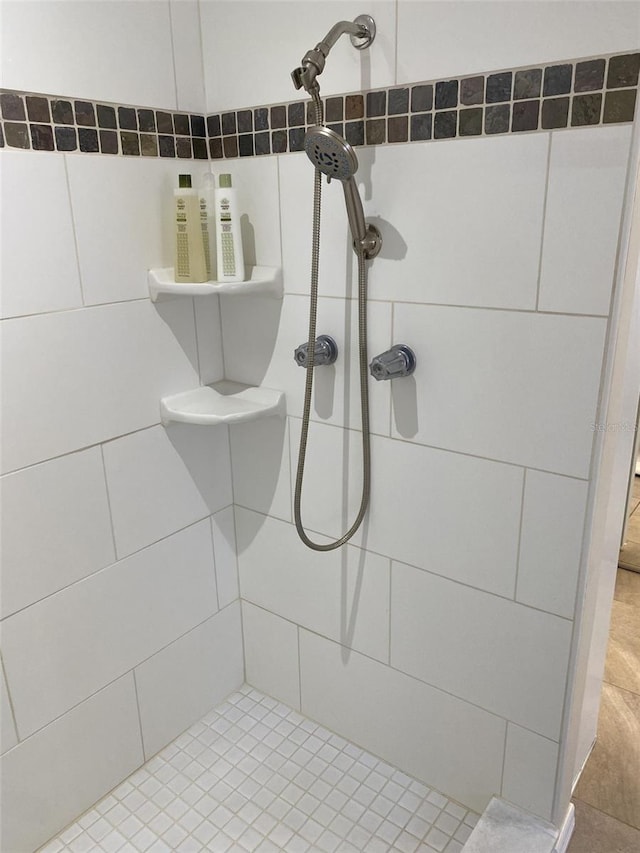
x=229 y=237
x=190 y=263
x=208 y=212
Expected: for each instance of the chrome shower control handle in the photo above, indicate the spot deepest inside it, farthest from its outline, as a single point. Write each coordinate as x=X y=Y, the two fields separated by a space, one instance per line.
x=325 y=351
x=395 y=363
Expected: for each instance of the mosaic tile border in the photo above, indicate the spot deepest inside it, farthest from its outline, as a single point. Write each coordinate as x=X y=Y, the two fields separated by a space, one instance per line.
x=562 y=95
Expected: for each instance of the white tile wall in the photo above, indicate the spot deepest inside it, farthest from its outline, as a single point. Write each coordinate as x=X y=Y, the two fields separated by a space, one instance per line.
x=187 y=48
x=65 y=500
x=458 y=747
x=161 y=480
x=470 y=362
x=224 y=549
x=551 y=543
x=271 y=653
x=183 y=681
x=580 y=238
x=61 y=650
x=261 y=474
x=342 y=594
x=478 y=660
x=8 y=735
x=54 y=775
x=97 y=373
x=209 y=333
x=529 y=770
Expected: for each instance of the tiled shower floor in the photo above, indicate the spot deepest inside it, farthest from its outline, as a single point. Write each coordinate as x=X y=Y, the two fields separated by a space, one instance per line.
x=253 y=775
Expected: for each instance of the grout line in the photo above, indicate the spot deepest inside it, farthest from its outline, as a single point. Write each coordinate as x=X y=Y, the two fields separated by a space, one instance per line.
x=85 y=307
x=195 y=333
x=75 y=239
x=135 y=687
x=215 y=567
x=390 y=605
x=202 y=71
x=520 y=526
x=299 y=669
x=173 y=55
x=397 y=28
x=106 y=486
x=504 y=756
x=544 y=220
x=14 y=718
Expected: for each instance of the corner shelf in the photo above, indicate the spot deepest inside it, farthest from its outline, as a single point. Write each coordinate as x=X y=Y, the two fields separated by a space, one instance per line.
x=222 y=403
x=261 y=281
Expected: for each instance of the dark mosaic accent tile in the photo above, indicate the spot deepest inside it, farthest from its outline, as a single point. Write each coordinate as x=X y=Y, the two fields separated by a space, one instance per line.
x=108 y=141
x=17 y=134
x=525 y=116
x=398 y=101
x=213 y=125
x=421 y=99
x=296 y=114
x=527 y=84
x=183 y=147
x=66 y=139
x=353 y=106
x=260 y=119
x=181 y=124
x=496 y=118
x=230 y=146
x=445 y=125
x=278 y=117
x=589 y=75
x=85 y=114
x=62 y=112
x=1 y=137
x=127 y=118
x=334 y=109
x=88 y=139
x=165 y=123
x=296 y=139
x=41 y=137
x=148 y=145
x=555 y=113
x=421 y=127
x=471 y=122
x=107 y=117
x=130 y=143
x=376 y=103
x=167 y=146
x=147 y=121
x=245 y=145
x=446 y=94
x=586 y=109
x=355 y=132
x=557 y=80
x=198 y=126
x=623 y=71
x=279 y=141
x=311 y=113
x=499 y=87
x=215 y=148
x=619 y=106
x=472 y=91
x=262 y=142
x=376 y=131
x=337 y=127
x=245 y=121
x=38 y=109
x=13 y=107
x=200 y=148
x=398 y=129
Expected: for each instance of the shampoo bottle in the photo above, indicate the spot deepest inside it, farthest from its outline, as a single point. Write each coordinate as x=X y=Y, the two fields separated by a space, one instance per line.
x=190 y=265
x=230 y=256
x=208 y=210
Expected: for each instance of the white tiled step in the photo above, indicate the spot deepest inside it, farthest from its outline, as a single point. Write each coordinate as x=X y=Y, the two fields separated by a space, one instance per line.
x=253 y=775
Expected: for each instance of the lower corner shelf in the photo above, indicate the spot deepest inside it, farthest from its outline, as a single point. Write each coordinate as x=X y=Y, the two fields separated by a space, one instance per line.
x=222 y=403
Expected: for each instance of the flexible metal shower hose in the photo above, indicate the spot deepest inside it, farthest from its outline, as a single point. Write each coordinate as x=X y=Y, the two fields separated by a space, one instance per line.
x=363 y=358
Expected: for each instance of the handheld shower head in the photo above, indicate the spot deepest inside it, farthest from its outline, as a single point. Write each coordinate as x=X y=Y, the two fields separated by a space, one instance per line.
x=330 y=153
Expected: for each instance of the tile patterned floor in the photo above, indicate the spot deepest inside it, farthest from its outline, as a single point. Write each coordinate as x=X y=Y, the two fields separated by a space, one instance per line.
x=253 y=775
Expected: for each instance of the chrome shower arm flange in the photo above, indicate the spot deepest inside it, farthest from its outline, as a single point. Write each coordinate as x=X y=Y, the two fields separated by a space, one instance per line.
x=360 y=42
x=370 y=244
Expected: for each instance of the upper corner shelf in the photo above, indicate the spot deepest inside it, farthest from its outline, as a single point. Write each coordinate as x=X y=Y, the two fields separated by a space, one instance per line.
x=261 y=281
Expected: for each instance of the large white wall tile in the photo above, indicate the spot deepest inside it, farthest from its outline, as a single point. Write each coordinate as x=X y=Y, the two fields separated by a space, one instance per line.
x=529 y=771
x=551 y=543
x=223 y=529
x=496 y=653
x=580 y=237
x=465 y=220
x=179 y=684
x=91 y=375
x=440 y=39
x=135 y=37
x=61 y=650
x=342 y=594
x=64 y=502
x=161 y=480
x=283 y=32
x=518 y=387
x=209 y=333
x=53 y=776
x=8 y=735
x=454 y=746
x=260 y=461
x=187 y=53
x=39 y=262
x=271 y=654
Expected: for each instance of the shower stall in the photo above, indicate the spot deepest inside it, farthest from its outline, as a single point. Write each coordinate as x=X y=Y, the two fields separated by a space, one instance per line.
x=254 y=595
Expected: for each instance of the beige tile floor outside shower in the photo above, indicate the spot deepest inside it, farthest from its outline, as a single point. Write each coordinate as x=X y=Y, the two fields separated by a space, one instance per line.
x=253 y=775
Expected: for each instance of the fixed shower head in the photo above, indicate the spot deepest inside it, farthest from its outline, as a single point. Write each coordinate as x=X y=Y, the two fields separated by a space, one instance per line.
x=330 y=153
